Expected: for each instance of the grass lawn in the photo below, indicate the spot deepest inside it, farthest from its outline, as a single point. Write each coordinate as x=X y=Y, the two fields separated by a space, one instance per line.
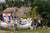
x=27 y=31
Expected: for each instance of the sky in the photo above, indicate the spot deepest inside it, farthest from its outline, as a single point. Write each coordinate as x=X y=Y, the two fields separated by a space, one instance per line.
x=2 y=0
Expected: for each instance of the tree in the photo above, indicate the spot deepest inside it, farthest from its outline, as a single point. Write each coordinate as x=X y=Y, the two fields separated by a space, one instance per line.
x=19 y=3
x=43 y=7
x=35 y=14
x=2 y=6
x=1 y=9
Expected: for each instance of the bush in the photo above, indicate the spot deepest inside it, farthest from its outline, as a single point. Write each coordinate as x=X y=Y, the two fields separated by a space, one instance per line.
x=44 y=22
x=25 y=17
x=1 y=9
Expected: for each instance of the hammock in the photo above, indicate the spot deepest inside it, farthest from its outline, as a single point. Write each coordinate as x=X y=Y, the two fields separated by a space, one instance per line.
x=25 y=23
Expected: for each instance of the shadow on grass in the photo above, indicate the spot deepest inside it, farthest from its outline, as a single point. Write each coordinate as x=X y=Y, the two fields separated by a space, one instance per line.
x=6 y=29
x=23 y=30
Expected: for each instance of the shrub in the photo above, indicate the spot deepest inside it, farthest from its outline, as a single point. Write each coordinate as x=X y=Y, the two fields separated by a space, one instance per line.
x=44 y=22
x=25 y=17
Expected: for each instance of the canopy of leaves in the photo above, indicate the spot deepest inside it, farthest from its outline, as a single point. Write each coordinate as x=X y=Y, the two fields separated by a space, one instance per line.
x=35 y=14
x=43 y=8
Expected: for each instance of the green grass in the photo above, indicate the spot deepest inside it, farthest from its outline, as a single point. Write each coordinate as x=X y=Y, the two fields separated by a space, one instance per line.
x=30 y=31
x=46 y=30
x=27 y=30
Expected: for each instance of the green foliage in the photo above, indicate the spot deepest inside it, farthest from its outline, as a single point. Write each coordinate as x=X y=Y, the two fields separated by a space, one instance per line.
x=25 y=17
x=35 y=11
x=15 y=3
x=44 y=22
x=43 y=8
x=35 y=14
x=2 y=6
x=30 y=12
x=1 y=9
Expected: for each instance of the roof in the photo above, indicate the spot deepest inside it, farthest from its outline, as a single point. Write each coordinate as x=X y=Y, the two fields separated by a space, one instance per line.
x=10 y=9
x=18 y=11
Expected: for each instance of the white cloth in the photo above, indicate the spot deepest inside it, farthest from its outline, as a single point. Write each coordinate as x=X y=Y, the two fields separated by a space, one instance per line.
x=25 y=23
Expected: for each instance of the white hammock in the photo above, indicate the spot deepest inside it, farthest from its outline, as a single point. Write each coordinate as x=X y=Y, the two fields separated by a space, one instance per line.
x=26 y=23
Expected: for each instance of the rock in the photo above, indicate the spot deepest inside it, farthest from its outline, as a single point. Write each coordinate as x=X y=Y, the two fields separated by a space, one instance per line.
x=31 y=28
x=39 y=27
x=49 y=28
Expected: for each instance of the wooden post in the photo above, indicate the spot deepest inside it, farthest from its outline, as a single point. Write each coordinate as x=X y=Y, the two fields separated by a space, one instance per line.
x=14 y=21
x=13 y=27
x=0 y=25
